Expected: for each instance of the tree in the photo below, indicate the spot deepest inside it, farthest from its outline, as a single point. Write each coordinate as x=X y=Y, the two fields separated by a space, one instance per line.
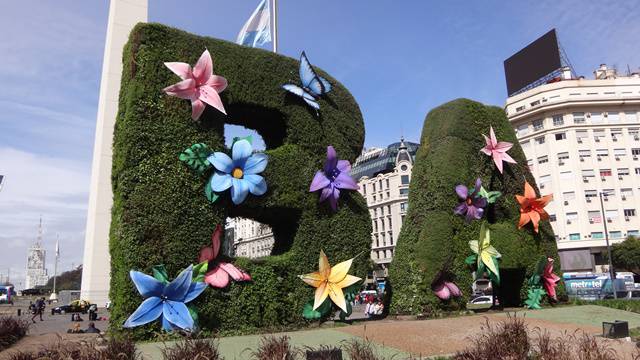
x=626 y=255
x=68 y=280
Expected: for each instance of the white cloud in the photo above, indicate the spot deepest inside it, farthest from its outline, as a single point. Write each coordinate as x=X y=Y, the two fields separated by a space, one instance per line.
x=38 y=185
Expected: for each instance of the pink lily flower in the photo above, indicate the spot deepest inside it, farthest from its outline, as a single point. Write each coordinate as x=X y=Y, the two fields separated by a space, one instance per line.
x=198 y=84
x=497 y=150
x=220 y=271
x=549 y=279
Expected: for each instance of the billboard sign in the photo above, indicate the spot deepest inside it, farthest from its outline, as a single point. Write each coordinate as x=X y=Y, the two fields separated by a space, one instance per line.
x=535 y=61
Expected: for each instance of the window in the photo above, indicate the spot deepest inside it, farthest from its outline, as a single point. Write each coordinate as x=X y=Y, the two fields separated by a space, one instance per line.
x=574 y=236
x=597 y=235
x=404 y=179
x=543 y=159
x=522 y=129
x=613 y=117
x=561 y=136
x=382 y=226
x=634 y=133
x=566 y=175
x=598 y=135
x=569 y=195
x=375 y=226
x=364 y=190
x=631 y=116
x=374 y=198
x=615 y=234
x=611 y=214
x=626 y=193
x=629 y=212
x=623 y=172
x=404 y=192
x=403 y=206
x=390 y=224
x=388 y=195
x=578 y=118
x=380 y=184
x=635 y=152
x=590 y=194
x=538 y=124
x=525 y=144
x=571 y=217
x=558 y=120
x=404 y=167
x=619 y=153
x=552 y=217
x=594 y=216
x=545 y=179
x=596 y=118
x=602 y=153
x=373 y=185
x=563 y=156
x=588 y=173
x=387 y=181
x=539 y=140
x=388 y=209
x=616 y=134
x=637 y=170
x=535 y=103
x=608 y=193
x=605 y=172
x=633 y=233
x=584 y=153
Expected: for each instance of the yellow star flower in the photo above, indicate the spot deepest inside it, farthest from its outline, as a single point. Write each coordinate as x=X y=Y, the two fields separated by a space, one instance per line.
x=329 y=281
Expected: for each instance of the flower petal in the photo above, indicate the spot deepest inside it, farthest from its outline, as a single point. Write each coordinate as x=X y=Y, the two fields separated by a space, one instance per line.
x=256 y=164
x=257 y=184
x=197 y=108
x=529 y=193
x=462 y=192
x=453 y=288
x=221 y=181
x=492 y=136
x=320 y=181
x=326 y=193
x=215 y=240
x=337 y=296
x=441 y=291
x=524 y=219
x=217 y=277
x=344 y=166
x=477 y=187
x=204 y=68
x=147 y=285
x=233 y=271
x=461 y=209
x=240 y=153
x=149 y=310
x=503 y=146
x=195 y=289
x=348 y=281
x=488 y=262
x=239 y=190
x=185 y=89
x=339 y=271
x=332 y=160
x=345 y=181
x=314 y=279
x=206 y=254
x=177 y=313
x=323 y=265
x=320 y=295
x=181 y=69
x=497 y=159
x=218 y=83
x=177 y=289
x=535 y=219
x=221 y=161
x=211 y=97
x=166 y=325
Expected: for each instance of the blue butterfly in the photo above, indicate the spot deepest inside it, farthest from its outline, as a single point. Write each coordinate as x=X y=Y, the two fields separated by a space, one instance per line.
x=313 y=85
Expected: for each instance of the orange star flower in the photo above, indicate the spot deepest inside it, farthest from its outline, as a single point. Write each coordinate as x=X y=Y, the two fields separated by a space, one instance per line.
x=532 y=208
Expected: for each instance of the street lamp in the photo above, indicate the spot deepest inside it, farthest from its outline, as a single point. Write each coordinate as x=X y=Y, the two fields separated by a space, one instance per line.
x=606 y=238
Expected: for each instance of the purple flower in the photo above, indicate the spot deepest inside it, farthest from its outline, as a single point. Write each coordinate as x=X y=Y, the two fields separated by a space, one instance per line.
x=332 y=178
x=472 y=205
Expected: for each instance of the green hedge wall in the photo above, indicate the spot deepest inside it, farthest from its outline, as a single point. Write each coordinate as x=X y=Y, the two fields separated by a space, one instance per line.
x=160 y=214
x=449 y=155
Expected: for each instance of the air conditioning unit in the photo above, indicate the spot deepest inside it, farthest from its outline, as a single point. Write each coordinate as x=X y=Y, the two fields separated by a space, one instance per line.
x=614 y=138
x=588 y=200
x=566 y=202
x=606 y=198
x=617 y=158
x=624 y=197
x=541 y=186
x=588 y=115
x=579 y=141
x=609 y=220
x=591 y=221
x=635 y=158
x=568 y=221
x=620 y=177
x=603 y=178
x=636 y=137
x=561 y=163
x=597 y=139
x=626 y=218
x=585 y=180
x=581 y=159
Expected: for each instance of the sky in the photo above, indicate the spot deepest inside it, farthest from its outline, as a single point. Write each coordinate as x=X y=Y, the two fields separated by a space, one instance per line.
x=399 y=59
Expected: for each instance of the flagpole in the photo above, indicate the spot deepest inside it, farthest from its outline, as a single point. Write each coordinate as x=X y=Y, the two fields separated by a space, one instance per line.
x=55 y=267
x=275 y=26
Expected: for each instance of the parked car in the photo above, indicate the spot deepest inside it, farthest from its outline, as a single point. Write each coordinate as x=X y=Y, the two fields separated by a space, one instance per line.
x=480 y=303
x=76 y=306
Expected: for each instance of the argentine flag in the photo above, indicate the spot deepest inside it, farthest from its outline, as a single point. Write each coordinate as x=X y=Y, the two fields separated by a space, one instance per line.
x=257 y=30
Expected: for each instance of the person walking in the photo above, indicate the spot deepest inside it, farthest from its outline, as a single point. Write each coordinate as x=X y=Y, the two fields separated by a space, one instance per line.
x=39 y=309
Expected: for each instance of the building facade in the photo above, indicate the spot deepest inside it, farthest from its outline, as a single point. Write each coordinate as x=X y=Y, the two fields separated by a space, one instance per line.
x=582 y=142
x=384 y=176
x=248 y=238
x=36 y=263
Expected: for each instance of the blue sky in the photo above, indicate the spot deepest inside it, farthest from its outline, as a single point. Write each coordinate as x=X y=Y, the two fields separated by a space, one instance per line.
x=399 y=59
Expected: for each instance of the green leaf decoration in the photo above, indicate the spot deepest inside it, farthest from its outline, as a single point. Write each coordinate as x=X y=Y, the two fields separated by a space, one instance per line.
x=491 y=196
x=248 y=138
x=345 y=315
x=196 y=157
x=495 y=278
x=209 y=194
x=471 y=259
x=199 y=271
x=194 y=313
x=535 y=296
x=351 y=291
x=534 y=280
x=160 y=274
x=323 y=310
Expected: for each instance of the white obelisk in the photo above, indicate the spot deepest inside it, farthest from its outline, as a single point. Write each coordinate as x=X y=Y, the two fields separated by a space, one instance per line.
x=96 y=267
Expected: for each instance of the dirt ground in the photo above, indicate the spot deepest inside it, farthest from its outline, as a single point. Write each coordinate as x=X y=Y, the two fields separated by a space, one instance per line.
x=446 y=336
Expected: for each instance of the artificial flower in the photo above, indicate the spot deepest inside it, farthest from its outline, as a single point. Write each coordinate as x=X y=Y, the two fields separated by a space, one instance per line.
x=443 y=288
x=329 y=281
x=198 y=84
x=497 y=149
x=332 y=178
x=532 y=208
x=487 y=254
x=472 y=205
x=240 y=172
x=549 y=279
x=166 y=300
x=220 y=271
